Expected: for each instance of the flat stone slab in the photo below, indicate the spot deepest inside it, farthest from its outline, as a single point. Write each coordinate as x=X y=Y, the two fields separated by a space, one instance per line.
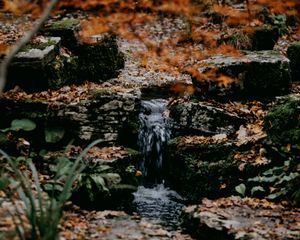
x=42 y=52
x=242 y=218
x=258 y=74
x=31 y=67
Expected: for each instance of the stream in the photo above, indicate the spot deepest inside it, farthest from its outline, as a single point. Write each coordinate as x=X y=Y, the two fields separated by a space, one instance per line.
x=153 y=200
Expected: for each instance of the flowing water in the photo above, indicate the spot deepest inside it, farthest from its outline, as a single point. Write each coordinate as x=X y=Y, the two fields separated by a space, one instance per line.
x=153 y=137
x=154 y=200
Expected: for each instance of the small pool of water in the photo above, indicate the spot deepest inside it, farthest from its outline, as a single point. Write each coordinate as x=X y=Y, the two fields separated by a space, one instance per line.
x=159 y=204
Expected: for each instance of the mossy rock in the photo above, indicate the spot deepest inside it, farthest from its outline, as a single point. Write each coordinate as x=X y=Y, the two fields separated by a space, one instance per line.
x=198 y=170
x=100 y=61
x=63 y=71
x=67 y=29
x=264 y=38
x=257 y=74
x=293 y=54
x=282 y=123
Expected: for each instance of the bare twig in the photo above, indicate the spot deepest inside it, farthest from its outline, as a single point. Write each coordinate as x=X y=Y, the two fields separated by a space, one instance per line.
x=23 y=41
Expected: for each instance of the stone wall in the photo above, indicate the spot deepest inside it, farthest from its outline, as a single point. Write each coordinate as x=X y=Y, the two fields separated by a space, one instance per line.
x=103 y=116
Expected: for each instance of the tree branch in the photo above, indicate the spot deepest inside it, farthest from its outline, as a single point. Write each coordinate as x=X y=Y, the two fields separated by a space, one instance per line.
x=22 y=42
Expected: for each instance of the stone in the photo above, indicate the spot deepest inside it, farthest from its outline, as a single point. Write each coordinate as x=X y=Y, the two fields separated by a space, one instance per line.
x=282 y=122
x=261 y=38
x=67 y=29
x=99 y=60
x=264 y=38
x=241 y=218
x=197 y=170
x=293 y=53
x=259 y=74
x=80 y=120
x=203 y=118
x=29 y=67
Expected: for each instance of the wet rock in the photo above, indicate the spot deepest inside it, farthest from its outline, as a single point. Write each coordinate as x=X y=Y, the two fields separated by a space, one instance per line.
x=67 y=29
x=30 y=66
x=197 y=170
x=236 y=218
x=293 y=53
x=115 y=225
x=282 y=122
x=260 y=74
x=203 y=118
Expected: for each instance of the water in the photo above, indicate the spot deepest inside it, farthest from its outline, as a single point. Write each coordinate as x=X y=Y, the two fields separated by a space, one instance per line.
x=159 y=204
x=154 y=200
x=153 y=137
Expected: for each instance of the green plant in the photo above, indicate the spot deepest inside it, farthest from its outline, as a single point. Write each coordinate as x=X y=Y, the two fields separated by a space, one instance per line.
x=96 y=180
x=43 y=211
x=279 y=21
x=280 y=182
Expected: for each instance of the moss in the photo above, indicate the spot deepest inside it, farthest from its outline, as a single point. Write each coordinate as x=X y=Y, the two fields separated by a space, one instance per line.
x=282 y=123
x=62 y=71
x=65 y=29
x=198 y=170
x=64 y=24
x=132 y=152
x=240 y=41
x=293 y=54
x=40 y=46
x=99 y=93
x=101 y=61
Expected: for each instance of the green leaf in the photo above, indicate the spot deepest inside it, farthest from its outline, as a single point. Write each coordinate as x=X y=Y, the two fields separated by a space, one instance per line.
x=276 y=195
x=101 y=168
x=54 y=134
x=99 y=182
x=3 y=138
x=257 y=189
x=63 y=167
x=111 y=179
x=274 y=170
x=49 y=187
x=271 y=179
x=241 y=189
x=22 y=124
x=255 y=179
x=4 y=182
x=288 y=178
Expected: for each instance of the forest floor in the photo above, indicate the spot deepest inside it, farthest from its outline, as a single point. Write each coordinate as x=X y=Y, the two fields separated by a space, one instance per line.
x=138 y=74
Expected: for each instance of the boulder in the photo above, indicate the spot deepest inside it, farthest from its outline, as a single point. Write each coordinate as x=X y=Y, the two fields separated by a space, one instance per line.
x=237 y=218
x=293 y=53
x=30 y=67
x=196 y=170
x=261 y=38
x=67 y=29
x=100 y=59
x=260 y=74
x=282 y=122
x=264 y=38
x=203 y=118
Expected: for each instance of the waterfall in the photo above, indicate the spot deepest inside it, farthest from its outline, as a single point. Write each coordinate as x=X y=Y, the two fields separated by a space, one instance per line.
x=156 y=202
x=153 y=137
